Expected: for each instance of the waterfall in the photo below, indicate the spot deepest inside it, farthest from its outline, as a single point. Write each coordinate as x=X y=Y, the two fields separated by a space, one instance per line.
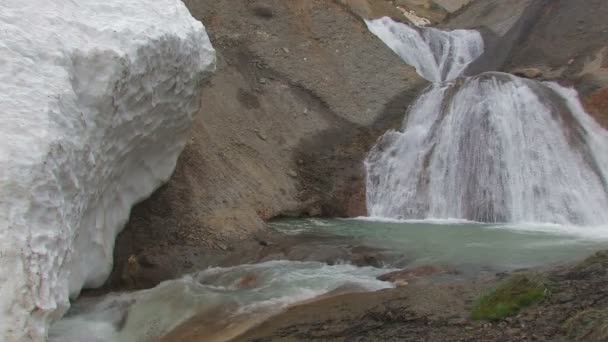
x=437 y=55
x=490 y=148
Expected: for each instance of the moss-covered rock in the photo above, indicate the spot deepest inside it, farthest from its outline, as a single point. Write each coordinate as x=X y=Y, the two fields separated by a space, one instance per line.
x=513 y=294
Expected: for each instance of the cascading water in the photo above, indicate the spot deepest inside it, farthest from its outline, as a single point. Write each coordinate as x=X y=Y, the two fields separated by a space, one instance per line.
x=437 y=55
x=491 y=148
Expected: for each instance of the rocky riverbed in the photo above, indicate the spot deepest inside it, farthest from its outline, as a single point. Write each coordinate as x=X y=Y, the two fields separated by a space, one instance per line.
x=574 y=310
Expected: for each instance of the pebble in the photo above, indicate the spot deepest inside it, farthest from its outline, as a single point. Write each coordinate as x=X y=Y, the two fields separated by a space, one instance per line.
x=261 y=135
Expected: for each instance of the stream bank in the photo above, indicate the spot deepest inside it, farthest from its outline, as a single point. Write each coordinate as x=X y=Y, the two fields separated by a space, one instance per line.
x=441 y=312
x=329 y=269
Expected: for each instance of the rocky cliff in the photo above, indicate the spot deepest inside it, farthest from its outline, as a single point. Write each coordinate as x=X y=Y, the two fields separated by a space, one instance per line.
x=551 y=40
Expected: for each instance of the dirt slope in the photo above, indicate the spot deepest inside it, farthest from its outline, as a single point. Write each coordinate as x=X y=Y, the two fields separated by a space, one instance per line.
x=301 y=92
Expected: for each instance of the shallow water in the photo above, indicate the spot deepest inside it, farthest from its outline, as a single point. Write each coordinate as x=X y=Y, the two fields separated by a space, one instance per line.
x=468 y=246
x=225 y=302
x=241 y=295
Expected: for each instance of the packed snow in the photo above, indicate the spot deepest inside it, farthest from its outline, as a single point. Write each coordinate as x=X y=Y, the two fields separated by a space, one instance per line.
x=96 y=99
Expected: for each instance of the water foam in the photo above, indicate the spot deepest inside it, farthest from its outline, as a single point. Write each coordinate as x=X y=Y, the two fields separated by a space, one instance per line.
x=492 y=148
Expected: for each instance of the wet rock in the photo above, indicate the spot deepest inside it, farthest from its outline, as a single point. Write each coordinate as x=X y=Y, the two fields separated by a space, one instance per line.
x=531 y=73
x=596 y=104
x=248 y=281
x=372 y=259
x=409 y=275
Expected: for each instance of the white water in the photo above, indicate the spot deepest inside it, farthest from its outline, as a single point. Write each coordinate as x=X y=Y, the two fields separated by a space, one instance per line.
x=222 y=294
x=493 y=148
x=437 y=55
x=490 y=148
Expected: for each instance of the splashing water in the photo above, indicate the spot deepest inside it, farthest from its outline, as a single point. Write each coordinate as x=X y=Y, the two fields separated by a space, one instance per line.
x=493 y=148
x=242 y=295
x=437 y=55
x=490 y=148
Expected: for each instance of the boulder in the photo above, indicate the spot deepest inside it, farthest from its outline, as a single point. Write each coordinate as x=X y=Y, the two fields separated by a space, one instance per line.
x=96 y=101
x=405 y=276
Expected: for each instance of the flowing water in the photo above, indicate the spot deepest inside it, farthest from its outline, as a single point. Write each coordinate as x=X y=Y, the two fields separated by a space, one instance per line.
x=469 y=247
x=437 y=55
x=225 y=302
x=242 y=295
x=491 y=148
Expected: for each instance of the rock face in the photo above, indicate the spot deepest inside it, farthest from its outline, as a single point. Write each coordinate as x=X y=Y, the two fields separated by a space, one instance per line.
x=503 y=25
x=298 y=100
x=370 y=9
x=96 y=100
x=568 y=42
x=559 y=40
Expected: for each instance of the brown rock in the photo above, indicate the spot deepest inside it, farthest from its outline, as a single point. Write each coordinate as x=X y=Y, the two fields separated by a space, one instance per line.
x=596 y=104
x=369 y=9
x=248 y=281
x=531 y=73
x=409 y=275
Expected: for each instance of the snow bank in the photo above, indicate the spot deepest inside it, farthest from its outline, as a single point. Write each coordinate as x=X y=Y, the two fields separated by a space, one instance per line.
x=96 y=99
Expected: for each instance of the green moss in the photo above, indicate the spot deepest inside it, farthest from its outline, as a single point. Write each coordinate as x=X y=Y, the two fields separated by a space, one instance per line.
x=436 y=7
x=588 y=325
x=513 y=294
